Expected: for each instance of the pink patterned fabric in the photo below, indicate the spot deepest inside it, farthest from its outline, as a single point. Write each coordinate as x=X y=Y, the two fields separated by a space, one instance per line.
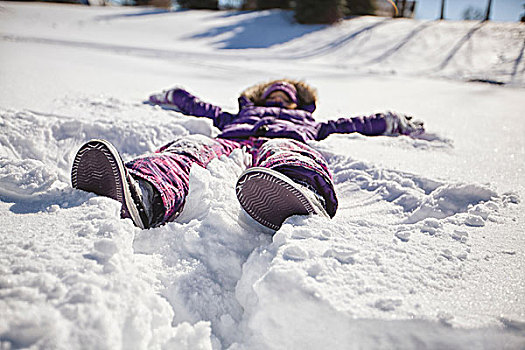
x=168 y=169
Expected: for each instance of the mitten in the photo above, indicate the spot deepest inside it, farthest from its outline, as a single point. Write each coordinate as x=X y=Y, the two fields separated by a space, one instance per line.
x=164 y=98
x=400 y=124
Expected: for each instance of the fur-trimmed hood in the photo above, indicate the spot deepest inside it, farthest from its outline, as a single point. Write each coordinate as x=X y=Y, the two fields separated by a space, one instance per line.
x=306 y=95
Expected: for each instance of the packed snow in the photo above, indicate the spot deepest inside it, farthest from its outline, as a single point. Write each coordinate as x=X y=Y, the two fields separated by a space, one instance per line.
x=427 y=249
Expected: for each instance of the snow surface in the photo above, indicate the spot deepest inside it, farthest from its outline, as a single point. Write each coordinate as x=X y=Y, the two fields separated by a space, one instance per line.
x=427 y=249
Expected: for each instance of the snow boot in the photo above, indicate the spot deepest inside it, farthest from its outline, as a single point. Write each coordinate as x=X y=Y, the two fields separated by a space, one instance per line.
x=270 y=197
x=98 y=168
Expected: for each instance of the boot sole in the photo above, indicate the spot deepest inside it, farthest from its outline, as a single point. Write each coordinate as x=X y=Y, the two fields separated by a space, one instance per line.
x=98 y=168
x=270 y=197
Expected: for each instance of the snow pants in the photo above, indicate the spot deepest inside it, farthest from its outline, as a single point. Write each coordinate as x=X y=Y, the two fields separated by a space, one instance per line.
x=168 y=169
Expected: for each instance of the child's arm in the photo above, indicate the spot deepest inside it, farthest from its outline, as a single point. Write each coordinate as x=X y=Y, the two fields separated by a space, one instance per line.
x=388 y=123
x=186 y=103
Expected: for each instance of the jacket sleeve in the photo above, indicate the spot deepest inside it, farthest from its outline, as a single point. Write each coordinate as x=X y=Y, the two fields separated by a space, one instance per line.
x=372 y=125
x=191 y=105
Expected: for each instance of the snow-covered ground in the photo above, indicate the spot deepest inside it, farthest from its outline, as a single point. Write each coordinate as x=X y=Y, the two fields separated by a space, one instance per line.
x=427 y=249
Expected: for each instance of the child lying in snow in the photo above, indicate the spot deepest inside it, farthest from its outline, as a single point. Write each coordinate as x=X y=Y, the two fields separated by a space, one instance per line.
x=287 y=177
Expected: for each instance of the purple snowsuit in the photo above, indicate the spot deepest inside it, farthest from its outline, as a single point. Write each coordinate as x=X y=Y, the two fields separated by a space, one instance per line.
x=274 y=136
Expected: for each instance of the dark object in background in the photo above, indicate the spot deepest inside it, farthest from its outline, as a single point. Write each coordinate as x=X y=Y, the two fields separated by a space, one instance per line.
x=320 y=11
x=272 y=4
x=199 y=4
x=361 y=7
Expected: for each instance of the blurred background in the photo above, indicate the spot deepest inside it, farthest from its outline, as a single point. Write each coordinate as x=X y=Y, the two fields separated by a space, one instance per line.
x=330 y=11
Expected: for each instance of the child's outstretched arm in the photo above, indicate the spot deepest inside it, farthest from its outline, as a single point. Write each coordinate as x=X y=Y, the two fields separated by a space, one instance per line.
x=389 y=123
x=186 y=103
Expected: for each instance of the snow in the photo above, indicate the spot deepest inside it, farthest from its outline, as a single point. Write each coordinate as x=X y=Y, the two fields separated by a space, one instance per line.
x=427 y=248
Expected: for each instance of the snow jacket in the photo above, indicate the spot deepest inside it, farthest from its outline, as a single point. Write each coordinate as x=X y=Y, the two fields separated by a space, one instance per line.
x=254 y=119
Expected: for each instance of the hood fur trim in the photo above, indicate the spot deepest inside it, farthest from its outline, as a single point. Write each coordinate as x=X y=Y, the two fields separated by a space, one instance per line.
x=306 y=95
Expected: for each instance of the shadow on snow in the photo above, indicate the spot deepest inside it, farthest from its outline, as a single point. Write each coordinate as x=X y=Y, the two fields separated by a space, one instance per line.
x=263 y=30
x=47 y=201
x=409 y=37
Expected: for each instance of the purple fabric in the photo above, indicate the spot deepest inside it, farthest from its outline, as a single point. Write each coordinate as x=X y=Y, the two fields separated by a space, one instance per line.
x=283 y=86
x=274 y=122
x=371 y=125
x=191 y=105
x=169 y=168
x=271 y=122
